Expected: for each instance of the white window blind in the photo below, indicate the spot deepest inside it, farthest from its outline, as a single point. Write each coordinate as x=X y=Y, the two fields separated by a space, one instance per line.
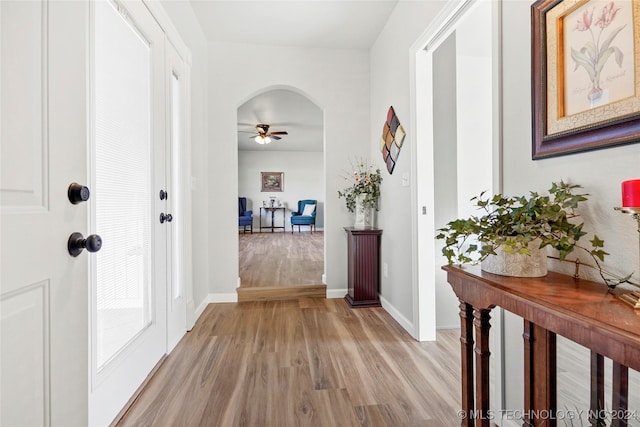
x=122 y=181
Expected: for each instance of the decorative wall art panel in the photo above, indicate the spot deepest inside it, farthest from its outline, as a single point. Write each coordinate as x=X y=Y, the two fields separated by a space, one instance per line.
x=393 y=135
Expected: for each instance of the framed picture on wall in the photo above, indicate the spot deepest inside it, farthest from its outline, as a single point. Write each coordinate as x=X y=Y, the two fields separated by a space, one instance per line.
x=271 y=181
x=585 y=75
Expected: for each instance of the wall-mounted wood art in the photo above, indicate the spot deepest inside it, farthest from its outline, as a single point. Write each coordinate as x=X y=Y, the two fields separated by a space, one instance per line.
x=392 y=138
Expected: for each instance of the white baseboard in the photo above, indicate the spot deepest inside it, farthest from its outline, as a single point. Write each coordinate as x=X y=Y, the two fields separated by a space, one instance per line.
x=230 y=297
x=398 y=317
x=212 y=299
x=336 y=293
x=192 y=316
x=443 y=327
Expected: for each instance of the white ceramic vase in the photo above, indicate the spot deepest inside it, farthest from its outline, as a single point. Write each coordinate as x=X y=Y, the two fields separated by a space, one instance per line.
x=364 y=216
x=517 y=265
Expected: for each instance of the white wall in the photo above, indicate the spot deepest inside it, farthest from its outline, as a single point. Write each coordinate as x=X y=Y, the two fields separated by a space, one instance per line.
x=390 y=84
x=445 y=170
x=303 y=179
x=335 y=80
x=474 y=93
x=599 y=172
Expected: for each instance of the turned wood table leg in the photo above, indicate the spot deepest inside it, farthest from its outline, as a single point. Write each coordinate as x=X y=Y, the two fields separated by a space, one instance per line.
x=597 y=390
x=539 y=376
x=466 y=348
x=620 y=395
x=482 y=325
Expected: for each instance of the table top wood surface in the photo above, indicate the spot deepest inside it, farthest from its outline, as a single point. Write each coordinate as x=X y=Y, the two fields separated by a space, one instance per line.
x=581 y=310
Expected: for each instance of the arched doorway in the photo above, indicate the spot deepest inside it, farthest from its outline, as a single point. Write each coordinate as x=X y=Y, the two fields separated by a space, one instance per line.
x=274 y=174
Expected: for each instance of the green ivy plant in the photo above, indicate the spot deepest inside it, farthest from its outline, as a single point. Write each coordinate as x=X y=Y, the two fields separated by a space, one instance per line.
x=514 y=222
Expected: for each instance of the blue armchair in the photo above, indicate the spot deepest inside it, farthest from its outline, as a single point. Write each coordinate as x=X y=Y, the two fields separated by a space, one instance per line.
x=245 y=218
x=306 y=215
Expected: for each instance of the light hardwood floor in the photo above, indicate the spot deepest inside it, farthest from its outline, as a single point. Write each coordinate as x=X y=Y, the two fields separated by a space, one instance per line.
x=281 y=259
x=305 y=362
x=316 y=362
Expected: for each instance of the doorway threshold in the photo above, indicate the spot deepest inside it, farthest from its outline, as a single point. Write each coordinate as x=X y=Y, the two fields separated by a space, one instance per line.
x=277 y=293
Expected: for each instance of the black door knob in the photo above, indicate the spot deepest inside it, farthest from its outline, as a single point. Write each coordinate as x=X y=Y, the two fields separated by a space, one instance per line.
x=78 y=193
x=77 y=243
x=167 y=217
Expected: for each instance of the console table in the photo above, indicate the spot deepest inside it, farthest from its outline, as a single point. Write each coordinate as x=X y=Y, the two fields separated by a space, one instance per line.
x=273 y=210
x=580 y=310
x=363 y=248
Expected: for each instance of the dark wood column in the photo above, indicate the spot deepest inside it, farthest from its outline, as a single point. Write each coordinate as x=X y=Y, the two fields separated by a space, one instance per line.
x=481 y=319
x=620 y=395
x=363 y=251
x=466 y=351
x=597 y=390
x=539 y=375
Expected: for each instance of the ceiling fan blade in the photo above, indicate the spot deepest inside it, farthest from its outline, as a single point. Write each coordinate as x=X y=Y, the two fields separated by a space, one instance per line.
x=274 y=137
x=279 y=133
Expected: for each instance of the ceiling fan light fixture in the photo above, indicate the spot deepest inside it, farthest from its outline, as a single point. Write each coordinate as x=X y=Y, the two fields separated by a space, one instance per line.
x=262 y=139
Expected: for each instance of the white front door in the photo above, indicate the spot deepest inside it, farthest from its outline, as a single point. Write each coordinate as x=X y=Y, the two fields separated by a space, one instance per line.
x=43 y=140
x=177 y=76
x=129 y=151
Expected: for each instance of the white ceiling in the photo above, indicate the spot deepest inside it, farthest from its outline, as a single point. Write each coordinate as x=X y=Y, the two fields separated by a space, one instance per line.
x=345 y=24
x=353 y=24
x=284 y=110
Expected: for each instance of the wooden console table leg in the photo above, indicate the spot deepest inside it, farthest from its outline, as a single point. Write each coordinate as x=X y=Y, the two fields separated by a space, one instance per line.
x=597 y=390
x=539 y=376
x=620 y=395
x=466 y=352
x=482 y=325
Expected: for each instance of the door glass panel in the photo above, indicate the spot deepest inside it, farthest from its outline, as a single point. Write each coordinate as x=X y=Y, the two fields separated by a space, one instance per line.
x=122 y=188
x=176 y=132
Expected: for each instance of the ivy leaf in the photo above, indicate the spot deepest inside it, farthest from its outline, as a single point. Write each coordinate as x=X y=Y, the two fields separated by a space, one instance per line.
x=596 y=242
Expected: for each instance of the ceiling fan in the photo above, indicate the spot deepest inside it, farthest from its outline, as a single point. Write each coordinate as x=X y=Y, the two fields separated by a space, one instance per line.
x=264 y=136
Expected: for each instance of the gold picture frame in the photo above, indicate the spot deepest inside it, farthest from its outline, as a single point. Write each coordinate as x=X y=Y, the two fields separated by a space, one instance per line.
x=585 y=75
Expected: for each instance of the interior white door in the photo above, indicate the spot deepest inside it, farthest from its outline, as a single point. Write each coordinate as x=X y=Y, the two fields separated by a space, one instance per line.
x=177 y=77
x=43 y=140
x=129 y=275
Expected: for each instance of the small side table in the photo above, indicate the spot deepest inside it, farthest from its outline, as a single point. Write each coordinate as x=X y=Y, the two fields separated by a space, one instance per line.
x=273 y=210
x=364 y=266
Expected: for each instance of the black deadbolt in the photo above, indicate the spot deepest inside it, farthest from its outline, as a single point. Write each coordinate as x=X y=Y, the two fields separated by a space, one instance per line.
x=78 y=193
x=77 y=243
x=163 y=195
x=167 y=217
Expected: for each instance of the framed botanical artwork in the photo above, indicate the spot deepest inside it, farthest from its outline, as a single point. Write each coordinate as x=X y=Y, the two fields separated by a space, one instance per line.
x=585 y=75
x=271 y=181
